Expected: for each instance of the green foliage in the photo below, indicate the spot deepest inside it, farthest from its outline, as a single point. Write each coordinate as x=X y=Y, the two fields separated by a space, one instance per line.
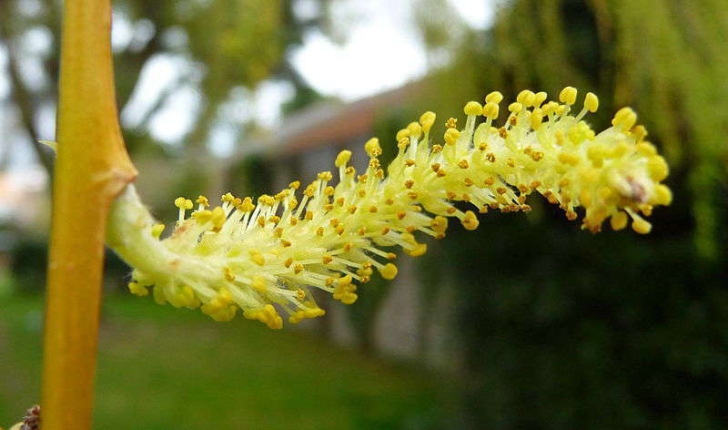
x=29 y=259
x=579 y=331
x=238 y=42
x=234 y=375
x=563 y=329
x=242 y=46
x=658 y=56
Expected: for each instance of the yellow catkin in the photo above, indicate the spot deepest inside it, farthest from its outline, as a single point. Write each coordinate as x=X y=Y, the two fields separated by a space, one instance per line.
x=266 y=259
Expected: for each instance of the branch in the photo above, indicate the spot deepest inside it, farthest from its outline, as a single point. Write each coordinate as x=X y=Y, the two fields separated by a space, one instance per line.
x=92 y=167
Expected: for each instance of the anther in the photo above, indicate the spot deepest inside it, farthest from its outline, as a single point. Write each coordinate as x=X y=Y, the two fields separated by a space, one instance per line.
x=568 y=95
x=473 y=108
x=591 y=102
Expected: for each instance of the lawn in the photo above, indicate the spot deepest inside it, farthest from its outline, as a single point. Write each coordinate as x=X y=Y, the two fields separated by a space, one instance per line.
x=162 y=368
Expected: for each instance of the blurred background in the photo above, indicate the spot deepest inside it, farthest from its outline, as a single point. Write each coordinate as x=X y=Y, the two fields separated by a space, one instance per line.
x=527 y=322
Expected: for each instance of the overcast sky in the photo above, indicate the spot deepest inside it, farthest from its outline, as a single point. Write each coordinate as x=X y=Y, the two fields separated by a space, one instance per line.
x=381 y=34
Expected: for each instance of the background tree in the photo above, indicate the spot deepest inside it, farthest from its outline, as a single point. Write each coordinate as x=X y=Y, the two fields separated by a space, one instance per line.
x=610 y=331
x=210 y=63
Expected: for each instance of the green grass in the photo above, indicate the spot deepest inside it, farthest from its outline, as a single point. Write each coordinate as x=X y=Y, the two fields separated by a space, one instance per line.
x=162 y=368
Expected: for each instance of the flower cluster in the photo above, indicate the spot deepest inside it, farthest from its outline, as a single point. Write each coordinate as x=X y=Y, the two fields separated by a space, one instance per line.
x=265 y=256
